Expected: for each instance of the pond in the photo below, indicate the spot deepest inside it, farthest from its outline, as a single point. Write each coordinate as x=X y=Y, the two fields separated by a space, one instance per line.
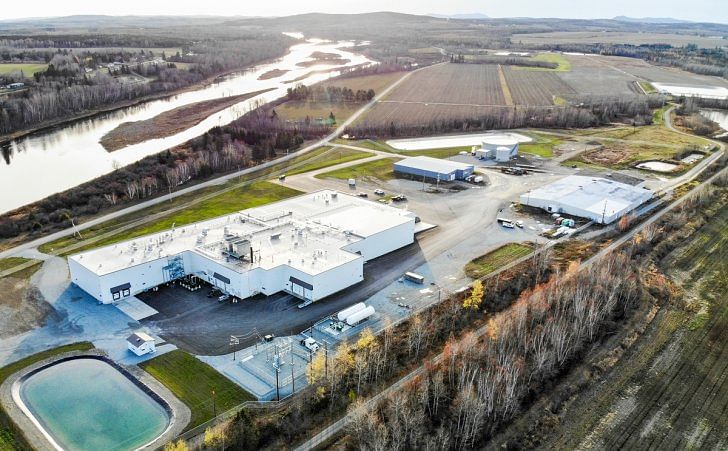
x=87 y=404
x=657 y=166
x=50 y=161
x=718 y=116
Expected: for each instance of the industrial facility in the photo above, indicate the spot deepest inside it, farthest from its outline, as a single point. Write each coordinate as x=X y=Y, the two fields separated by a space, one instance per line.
x=500 y=148
x=310 y=246
x=433 y=169
x=600 y=200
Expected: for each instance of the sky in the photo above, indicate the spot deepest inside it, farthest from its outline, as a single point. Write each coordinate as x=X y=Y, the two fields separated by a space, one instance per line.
x=696 y=10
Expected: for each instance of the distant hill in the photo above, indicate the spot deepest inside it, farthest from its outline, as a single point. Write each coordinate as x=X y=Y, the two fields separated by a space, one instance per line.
x=471 y=16
x=84 y=21
x=650 y=19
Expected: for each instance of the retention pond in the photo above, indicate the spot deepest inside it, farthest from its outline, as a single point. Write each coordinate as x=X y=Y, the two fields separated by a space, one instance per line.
x=87 y=404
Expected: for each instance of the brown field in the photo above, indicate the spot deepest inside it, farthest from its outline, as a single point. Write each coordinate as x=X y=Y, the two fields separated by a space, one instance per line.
x=378 y=82
x=168 y=123
x=596 y=75
x=461 y=84
x=616 y=37
x=536 y=88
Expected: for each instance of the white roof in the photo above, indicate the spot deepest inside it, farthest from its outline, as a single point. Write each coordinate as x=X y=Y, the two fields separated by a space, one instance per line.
x=137 y=338
x=595 y=195
x=434 y=164
x=500 y=140
x=288 y=232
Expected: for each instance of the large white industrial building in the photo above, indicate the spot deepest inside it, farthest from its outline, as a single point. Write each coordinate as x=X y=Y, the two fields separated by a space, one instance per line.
x=310 y=246
x=498 y=147
x=600 y=200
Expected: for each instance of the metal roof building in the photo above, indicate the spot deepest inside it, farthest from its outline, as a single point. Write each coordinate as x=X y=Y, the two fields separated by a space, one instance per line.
x=310 y=246
x=433 y=168
x=600 y=200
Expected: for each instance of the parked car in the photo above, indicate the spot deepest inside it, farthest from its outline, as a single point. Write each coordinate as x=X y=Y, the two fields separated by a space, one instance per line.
x=399 y=198
x=214 y=293
x=507 y=225
x=379 y=192
x=519 y=224
x=269 y=337
x=223 y=298
x=363 y=195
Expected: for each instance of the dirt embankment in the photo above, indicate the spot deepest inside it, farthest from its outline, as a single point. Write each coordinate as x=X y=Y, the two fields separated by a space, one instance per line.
x=170 y=122
x=275 y=73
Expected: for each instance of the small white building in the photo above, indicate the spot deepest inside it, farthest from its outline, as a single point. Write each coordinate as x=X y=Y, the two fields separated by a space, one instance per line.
x=140 y=343
x=600 y=200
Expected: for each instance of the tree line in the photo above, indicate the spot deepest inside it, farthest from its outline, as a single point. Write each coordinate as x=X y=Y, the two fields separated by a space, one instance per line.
x=333 y=94
x=503 y=60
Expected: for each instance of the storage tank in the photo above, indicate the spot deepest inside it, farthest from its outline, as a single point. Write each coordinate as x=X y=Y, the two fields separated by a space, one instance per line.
x=347 y=312
x=360 y=316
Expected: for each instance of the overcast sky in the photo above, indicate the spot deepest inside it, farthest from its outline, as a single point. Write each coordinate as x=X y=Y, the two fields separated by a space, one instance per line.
x=698 y=10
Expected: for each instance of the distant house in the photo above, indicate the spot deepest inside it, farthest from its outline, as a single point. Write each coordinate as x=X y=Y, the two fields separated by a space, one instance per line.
x=140 y=343
x=15 y=85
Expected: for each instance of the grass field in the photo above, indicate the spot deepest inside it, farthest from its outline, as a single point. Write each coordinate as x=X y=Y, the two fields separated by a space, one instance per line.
x=564 y=65
x=331 y=156
x=496 y=259
x=249 y=196
x=543 y=145
x=193 y=382
x=536 y=88
x=28 y=68
x=9 y=438
x=377 y=170
x=11 y=262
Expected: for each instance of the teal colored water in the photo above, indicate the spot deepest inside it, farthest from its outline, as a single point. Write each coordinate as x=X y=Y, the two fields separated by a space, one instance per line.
x=86 y=404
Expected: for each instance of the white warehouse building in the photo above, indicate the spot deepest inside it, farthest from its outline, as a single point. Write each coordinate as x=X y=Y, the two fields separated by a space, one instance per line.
x=310 y=246
x=600 y=200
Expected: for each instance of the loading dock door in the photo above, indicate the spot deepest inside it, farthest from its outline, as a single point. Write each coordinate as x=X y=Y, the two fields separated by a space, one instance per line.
x=301 y=289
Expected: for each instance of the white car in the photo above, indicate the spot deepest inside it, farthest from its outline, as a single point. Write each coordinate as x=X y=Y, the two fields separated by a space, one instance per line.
x=311 y=344
x=507 y=225
x=519 y=224
x=379 y=192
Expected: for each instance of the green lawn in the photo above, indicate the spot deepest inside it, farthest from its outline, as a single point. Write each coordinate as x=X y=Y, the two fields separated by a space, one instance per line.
x=494 y=260
x=377 y=169
x=542 y=145
x=28 y=68
x=11 y=262
x=10 y=439
x=558 y=58
x=330 y=157
x=647 y=87
x=240 y=198
x=193 y=382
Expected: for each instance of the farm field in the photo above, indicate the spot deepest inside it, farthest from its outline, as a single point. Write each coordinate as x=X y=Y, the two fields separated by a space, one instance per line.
x=27 y=68
x=671 y=391
x=536 y=88
x=593 y=75
x=558 y=58
x=616 y=37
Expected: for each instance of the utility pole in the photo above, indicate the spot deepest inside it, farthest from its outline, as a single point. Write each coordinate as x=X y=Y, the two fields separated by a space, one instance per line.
x=293 y=378
x=214 y=410
x=234 y=341
x=326 y=358
x=278 y=393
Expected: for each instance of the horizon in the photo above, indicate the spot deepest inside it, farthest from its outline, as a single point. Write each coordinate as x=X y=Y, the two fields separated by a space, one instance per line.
x=698 y=11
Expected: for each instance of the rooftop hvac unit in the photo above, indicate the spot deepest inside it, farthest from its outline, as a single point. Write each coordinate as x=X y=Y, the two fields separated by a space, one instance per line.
x=347 y=312
x=275 y=236
x=360 y=316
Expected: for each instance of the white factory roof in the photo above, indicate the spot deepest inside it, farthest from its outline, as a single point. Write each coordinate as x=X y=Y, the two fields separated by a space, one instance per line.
x=595 y=195
x=288 y=232
x=433 y=164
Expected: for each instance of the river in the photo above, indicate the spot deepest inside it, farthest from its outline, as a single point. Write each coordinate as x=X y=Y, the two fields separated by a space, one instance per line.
x=47 y=162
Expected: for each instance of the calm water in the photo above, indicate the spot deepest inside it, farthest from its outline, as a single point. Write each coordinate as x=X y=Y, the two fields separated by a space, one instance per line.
x=86 y=404
x=718 y=116
x=48 y=162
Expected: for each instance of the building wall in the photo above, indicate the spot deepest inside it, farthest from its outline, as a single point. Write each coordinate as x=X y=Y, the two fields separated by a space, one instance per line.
x=384 y=242
x=559 y=207
x=85 y=279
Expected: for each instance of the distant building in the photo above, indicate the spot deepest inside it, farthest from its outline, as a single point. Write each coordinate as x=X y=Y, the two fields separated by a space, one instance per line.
x=433 y=168
x=140 y=343
x=500 y=148
x=15 y=85
x=600 y=200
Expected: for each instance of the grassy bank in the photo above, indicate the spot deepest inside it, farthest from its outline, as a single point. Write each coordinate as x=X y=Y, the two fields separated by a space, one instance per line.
x=377 y=169
x=170 y=122
x=330 y=157
x=27 y=68
x=543 y=145
x=10 y=437
x=11 y=262
x=194 y=382
x=496 y=259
